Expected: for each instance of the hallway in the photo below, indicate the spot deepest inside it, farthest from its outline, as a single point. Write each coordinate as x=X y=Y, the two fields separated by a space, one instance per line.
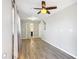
x=54 y=35
x=36 y=48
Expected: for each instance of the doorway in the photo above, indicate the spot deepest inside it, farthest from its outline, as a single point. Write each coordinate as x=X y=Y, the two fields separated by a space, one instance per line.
x=30 y=29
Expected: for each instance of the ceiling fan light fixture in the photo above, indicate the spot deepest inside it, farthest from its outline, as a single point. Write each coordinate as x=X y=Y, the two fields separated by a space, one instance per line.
x=43 y=11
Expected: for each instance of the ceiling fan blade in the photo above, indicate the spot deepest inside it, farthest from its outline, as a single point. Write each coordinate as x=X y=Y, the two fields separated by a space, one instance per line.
x=39 y=12
x=38 y=8
x=49 y=8
x=48 y=12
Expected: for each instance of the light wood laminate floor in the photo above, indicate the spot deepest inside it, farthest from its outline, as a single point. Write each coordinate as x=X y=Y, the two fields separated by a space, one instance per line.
x=39 y=49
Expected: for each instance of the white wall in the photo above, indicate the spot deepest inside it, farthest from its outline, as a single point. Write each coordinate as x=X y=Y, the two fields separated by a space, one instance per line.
x=61 y=30
x=6 y=29
x=23 y=30
x=42 y=28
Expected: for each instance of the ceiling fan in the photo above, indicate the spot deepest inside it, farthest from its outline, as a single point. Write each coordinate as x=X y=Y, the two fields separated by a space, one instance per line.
x=44 y=9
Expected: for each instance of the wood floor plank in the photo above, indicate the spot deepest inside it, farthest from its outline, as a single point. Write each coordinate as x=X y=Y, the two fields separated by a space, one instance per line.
x=36 y=48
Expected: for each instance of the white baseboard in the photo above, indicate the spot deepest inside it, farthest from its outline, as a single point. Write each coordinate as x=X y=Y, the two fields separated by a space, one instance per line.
x=66 y=52
x=62 y=50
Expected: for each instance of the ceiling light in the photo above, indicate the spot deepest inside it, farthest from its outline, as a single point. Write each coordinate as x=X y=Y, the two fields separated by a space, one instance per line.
x=32 y=18
x=43 y=11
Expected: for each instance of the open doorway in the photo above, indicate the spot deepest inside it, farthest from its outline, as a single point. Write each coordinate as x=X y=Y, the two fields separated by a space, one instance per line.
x=29 y=29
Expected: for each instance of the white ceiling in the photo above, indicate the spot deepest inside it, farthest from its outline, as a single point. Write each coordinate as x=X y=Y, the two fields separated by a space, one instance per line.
x=25 y=7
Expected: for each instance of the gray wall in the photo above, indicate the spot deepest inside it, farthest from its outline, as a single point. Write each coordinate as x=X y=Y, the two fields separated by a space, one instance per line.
x=61 y=30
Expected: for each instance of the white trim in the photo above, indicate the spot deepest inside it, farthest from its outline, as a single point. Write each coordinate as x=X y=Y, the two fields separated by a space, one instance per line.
x=62 y=50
